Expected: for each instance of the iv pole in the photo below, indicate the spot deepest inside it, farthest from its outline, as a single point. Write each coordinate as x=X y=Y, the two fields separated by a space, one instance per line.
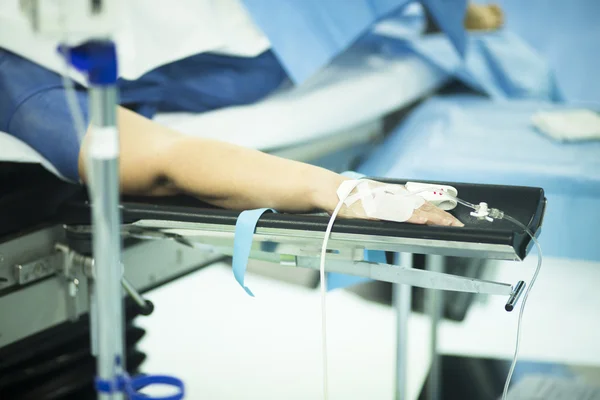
x=98 y=59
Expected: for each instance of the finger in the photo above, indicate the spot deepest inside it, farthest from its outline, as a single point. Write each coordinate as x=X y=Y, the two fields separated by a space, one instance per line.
x=423 y=217
x=449 y=218
x=437 y=216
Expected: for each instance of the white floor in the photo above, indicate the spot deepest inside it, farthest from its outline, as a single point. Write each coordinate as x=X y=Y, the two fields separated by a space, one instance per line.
x=226 y=345
x=561 y=321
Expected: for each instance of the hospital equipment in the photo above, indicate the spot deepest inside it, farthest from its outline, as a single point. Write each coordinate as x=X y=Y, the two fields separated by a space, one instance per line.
x=85 y=31
x=387 y=70
x=333 y=138
x=307 y=130
x=295 y=240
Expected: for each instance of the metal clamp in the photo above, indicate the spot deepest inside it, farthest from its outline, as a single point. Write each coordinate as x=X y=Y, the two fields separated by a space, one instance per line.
x=71 y=280
x=75 y=261
x=38 y=269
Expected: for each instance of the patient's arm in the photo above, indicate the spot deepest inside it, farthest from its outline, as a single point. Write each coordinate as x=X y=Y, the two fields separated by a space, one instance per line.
x=158 y=161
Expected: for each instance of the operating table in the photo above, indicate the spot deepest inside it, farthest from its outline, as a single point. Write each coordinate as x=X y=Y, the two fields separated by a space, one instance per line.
x=46 y=272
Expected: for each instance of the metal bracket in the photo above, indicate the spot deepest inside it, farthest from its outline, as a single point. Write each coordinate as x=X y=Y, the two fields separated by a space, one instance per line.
x=302 y=253
x=75 y=261
x=39 y=269
x=419 y=278
x=71 y=281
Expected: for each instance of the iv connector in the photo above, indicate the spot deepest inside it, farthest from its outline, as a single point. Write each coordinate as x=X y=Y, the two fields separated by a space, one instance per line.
x=482 y=212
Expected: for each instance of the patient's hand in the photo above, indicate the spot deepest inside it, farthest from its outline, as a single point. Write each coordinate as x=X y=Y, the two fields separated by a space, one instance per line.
x=432 y=215
x=426 y=214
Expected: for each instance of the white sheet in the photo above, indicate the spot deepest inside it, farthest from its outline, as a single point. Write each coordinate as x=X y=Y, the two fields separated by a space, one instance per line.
x=356 y=89
x=14 y=150
x=268 y=347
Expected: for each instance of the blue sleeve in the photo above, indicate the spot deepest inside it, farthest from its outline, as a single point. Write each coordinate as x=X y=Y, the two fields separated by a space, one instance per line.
x=33 y=108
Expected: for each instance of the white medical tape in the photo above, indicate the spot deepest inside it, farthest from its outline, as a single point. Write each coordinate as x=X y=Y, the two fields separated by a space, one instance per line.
x=390 y=207
x=384 y=202
x=346 y=188
x=393 y=202
x=104 y=143
x=363 y=194
x=367 y=198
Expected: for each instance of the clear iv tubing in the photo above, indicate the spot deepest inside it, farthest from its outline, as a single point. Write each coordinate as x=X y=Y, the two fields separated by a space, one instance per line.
x=324 y=283
x=103 y=173
x=323 y=295
x=72 y=103
x=501 y=215
x=70 y=93
x=464 y=203
x=521 y=311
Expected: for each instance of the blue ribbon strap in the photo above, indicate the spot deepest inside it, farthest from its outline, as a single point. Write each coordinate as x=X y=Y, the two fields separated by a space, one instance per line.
x=242 y=243
x=131 y=386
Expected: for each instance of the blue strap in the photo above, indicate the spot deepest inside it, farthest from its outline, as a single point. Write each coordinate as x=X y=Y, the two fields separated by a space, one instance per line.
x=131 y=386
x=142 y=381
x=105 y=386
x=376 y=256
x=242 y=243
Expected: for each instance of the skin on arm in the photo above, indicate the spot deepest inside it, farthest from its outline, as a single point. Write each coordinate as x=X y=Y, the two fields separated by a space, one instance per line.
x=157 y=161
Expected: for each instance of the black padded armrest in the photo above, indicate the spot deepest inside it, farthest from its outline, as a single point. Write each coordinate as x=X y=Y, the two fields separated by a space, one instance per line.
x=525 y=204
x=30 y=196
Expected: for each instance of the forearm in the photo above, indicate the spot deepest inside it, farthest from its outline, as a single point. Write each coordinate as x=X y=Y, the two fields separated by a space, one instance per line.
x=239 y=178
x=158 y=161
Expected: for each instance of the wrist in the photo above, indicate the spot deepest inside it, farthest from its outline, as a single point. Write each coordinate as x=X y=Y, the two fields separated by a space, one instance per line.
x=324 y=190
